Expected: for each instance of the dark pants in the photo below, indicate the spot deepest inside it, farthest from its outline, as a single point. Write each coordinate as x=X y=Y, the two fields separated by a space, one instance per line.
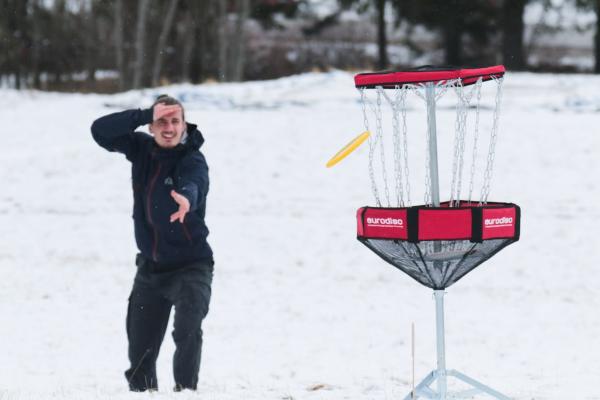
x=155 y=291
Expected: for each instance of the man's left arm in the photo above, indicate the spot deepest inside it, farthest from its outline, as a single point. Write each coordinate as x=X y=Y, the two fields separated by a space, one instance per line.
x=191 y=185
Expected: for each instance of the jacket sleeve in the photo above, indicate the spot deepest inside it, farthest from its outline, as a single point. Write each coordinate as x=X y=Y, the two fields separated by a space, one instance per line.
x=115 y=132
x=192 y=179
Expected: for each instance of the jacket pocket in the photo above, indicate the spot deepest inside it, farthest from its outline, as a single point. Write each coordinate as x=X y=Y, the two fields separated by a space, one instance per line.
x=177 y=234
x=186 y=232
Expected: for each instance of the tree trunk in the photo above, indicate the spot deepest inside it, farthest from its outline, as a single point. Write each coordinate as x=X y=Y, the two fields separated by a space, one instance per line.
x=205 y=12
x=381 y=36
x=162 y=41
x=18 y=78
x=237 y=60
x=91 y=53
x=35 y=51
x=189 y=42
x=209 y=58
x=140 y=35
x=223 y=41
x=513 y=55
x=597 y=38
x=453 y=30
x=21 y=42
x=119 y=43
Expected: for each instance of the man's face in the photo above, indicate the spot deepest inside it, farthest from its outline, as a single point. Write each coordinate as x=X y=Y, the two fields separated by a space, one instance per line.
x=168 y=129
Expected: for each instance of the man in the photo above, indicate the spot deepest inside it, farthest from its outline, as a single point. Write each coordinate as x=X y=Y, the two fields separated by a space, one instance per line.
x=175 y=263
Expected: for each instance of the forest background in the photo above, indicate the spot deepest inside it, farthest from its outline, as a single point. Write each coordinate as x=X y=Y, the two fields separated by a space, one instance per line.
x=115 y=45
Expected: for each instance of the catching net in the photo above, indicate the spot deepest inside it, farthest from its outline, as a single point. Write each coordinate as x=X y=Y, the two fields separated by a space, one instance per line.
x=438 y=246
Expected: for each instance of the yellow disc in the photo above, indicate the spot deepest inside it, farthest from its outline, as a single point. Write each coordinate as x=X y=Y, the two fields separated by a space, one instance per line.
x=349 y=148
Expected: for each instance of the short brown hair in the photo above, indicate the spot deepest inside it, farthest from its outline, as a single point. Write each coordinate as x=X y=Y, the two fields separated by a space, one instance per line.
x=169 y=101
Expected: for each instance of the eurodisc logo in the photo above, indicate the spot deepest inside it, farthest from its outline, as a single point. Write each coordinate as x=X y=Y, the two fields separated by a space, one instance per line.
x=386 y=222
x=498 y=222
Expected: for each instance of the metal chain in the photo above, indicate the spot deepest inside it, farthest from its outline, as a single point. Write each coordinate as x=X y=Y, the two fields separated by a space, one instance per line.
x=415 y=89
x=461 y=150
x=457 y=131
x=466 y=99
x=381 y=144
x=462 y=110
x=395 y=105
x=444 y=86
x=492 y=148
x=405 y=140
x=459 y=128
x=363 y=102
x=372 y=145
x=475 y=139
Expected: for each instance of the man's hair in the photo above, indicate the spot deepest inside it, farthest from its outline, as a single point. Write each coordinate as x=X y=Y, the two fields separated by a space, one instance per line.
x=169 y=101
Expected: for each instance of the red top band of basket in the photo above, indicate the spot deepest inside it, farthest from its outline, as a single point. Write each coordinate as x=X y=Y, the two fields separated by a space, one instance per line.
x=414 y=224
x=387 y=79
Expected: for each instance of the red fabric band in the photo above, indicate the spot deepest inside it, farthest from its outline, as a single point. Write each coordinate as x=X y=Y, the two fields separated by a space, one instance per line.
x=468 y=76
x=498 y=220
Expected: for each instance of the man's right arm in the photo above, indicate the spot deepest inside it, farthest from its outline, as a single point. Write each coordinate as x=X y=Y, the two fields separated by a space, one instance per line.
x=115 y=132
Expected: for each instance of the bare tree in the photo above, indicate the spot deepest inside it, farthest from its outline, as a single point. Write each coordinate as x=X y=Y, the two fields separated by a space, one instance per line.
x=36 y=45
x=597 y=38
x=118 y=12
x=162 y=40
x=140 y=35
x=513 y=55
x=222 y=39
x=15 y=58
x=453 y=32
x=237 y=52
x=91 y=62
x=381 y=35
x=208 y=60
x=188 y=45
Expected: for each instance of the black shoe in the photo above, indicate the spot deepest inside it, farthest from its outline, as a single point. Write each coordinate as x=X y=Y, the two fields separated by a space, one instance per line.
x=140 y=390
x=180 y=388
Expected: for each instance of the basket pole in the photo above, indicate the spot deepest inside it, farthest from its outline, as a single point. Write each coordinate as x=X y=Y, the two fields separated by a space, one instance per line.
x=435 y=198
x=441 y=345
x=433 y=154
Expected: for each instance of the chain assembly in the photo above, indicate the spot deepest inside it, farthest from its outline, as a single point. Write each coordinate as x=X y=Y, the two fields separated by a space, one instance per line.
x=467 y=99
x=489 y=169
x=464 y=98
x=372 y=144
x=379 y=135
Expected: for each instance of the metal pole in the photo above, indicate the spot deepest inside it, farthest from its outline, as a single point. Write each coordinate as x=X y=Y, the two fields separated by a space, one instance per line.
x=433 y=155
x=441 y=346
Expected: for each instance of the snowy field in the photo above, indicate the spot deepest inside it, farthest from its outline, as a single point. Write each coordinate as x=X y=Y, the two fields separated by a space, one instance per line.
x=300 y=309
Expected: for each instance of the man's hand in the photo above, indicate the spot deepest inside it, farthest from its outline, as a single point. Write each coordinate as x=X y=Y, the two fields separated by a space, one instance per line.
x=184 y=206
x=162 y=110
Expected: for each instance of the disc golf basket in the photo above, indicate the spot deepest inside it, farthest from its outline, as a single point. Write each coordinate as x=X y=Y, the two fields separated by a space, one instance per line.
x=436 y=243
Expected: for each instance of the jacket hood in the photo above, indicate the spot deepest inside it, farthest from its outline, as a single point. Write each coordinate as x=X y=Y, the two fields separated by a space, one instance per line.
x=195 y=140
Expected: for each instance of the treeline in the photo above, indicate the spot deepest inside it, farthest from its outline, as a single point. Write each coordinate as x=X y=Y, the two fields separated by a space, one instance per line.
x=110 y=45
x=475 y=32
x=46 y=44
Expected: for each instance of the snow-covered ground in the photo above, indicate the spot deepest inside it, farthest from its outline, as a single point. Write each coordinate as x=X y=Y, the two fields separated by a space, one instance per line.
x=300 y=309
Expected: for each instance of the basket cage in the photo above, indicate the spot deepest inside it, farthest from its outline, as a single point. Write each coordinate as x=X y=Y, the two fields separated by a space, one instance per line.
x=439 y=242
x=436 y=243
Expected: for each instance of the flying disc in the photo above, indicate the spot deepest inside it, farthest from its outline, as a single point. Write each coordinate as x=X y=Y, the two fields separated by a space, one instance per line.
x=349 y=148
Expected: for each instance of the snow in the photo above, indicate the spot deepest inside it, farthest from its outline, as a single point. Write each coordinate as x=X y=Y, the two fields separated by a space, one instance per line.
x=300 y=309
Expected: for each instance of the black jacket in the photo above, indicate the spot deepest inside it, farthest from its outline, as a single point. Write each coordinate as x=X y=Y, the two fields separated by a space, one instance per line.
x=155 y=172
